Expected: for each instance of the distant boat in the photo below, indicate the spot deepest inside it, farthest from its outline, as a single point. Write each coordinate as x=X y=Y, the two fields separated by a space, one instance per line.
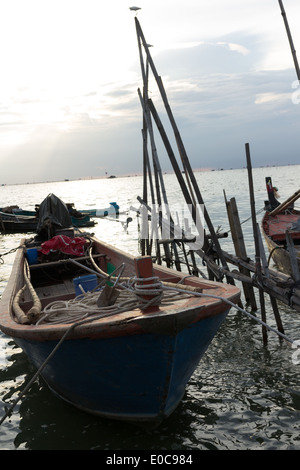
x=16 y=220
x=115 y=356
x=15 y=223
x=279 y=221
x=112 y=210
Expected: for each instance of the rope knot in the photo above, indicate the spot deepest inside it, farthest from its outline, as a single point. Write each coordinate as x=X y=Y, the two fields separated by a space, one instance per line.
x=148 y=291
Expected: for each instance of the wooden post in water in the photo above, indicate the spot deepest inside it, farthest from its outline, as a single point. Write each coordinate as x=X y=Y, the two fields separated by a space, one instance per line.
x=256 y=243
x=147 y=127
x=240 y=249
x=260 y=258
x=266 y=272
x=182 y=153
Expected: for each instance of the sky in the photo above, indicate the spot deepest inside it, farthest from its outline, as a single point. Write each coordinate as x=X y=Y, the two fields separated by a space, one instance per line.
x=70 y=71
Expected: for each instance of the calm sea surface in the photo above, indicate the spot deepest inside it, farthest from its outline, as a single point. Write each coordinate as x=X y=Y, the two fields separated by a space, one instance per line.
x=242 y=396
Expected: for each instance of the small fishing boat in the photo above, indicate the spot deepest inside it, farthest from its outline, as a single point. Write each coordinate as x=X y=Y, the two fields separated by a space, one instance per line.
x=112 y=210
x=10 y=223
x=111 y=334
x=14 y=223
x=15 y=220
x=281 y=230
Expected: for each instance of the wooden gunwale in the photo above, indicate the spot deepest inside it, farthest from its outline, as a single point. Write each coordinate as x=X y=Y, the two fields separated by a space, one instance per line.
x=177 y=315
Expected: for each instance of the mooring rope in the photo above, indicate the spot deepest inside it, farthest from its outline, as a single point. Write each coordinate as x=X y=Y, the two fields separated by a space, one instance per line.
x=295 y=343
x=133 y=294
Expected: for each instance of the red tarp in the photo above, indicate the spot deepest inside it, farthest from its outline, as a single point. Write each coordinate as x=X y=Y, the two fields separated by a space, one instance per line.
x=70 y=246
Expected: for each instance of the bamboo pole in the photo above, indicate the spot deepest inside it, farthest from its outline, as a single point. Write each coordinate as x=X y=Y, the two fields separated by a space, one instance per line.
x=145 y=242
x=267 y=274
x=147 y=126
x=240 y=249
x=290 y=39
x=181 y=148
x=256 y=242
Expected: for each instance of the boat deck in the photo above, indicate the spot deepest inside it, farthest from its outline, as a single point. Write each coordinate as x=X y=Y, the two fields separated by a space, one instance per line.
x=276 y=226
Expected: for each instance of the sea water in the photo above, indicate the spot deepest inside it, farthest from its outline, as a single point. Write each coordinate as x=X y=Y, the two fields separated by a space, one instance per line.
x=242 y=396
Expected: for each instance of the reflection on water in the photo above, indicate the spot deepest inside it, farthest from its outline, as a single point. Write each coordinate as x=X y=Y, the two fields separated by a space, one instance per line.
x=242 y=396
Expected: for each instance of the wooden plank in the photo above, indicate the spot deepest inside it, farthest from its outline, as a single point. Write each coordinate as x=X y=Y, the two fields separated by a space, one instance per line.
x=63 y=261
x=240 y=248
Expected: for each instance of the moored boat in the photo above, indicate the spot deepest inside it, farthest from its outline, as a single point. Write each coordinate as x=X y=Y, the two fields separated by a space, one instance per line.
x=129 y=334
x=10 y=223
x=15 y=220
x=280 y=223
x=112 y=210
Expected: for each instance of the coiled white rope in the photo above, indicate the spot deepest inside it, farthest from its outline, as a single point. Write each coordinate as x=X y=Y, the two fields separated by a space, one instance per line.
x=133 y=294
x=34 y=313
x=81 y=307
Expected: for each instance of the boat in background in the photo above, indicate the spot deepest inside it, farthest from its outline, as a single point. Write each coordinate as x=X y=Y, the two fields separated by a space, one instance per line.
x=16 y=220
x=13 y=219
x=112 y=210
x=128 y=334
x=10 y=223
x=281 y=231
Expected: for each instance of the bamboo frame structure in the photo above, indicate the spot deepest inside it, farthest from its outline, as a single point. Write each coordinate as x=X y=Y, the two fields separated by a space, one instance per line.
x=252 y=274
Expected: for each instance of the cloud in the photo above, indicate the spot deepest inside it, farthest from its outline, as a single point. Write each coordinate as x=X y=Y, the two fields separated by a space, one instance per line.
x=269 y=97
x=69 y=103
x=221 y=100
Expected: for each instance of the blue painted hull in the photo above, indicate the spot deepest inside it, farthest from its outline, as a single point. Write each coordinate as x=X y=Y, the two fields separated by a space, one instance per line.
x=132 y=363
x=140 y=377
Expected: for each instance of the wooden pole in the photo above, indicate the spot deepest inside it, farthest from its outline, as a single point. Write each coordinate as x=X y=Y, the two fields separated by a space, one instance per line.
x=156 y=165
x=145 y=241
x=290 y=39
x=181 y=148
x=256 y=242
x=267 y=274
x=240 y=249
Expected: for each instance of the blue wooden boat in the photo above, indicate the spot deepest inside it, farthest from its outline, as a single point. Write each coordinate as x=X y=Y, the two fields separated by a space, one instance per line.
x=16 y=223
x=10 y=223
x=112 y=210
x=83 y=214
x=118 y=356
x=16 y=220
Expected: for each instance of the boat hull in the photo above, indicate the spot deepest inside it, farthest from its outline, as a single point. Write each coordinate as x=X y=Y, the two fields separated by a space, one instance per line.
x=133 y=365
x=25 y=224
x=273 y=230
x=140 y=378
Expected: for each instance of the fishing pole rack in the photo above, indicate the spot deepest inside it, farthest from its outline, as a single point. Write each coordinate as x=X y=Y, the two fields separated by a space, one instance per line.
x=177 y=252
